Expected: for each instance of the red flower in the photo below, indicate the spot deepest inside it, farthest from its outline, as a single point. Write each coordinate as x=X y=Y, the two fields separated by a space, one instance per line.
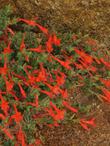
x=33 y=23
x=38 y=49
x=31 y=79
x=17 y=116
x=85 y=60
x=78 y=66
x=43 y=29
x=97 y=60
x=107 y=95
x=85 y=57
x=58 y=115
x=22 y=46
x=21 y=137
x=49 y=45
x=7 y=50
x=55 y=40
x=105 y=82
x=67 y=105
x=2 y=117
x=54 y=89
x=84 y=126
x=60 y=77
x=91 y=42
x=29 y=22
x=65 y=64
x=4 y=105
x=9 y=84
x=8 y=134
x=11 y=31
x=42 y=76
x=50 y=94
x=22 y=90
x=50 y=78
x=85 y=65
x=18 y=76
x=4 y=70
x=52 y=40
x=107 y=64
x=64 y=93
x=38 y=142
x=55 y=124
x=84 y=123
x=74 y=37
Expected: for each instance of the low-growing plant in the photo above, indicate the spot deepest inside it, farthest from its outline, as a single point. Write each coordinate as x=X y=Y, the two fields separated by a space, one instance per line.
x=37 y=70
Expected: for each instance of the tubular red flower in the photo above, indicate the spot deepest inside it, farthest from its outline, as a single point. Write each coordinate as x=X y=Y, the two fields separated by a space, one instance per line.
x=67 y=105
x=7 y=133
x=55 y=124
x=55 y=40
x=97 y=60
x=50 y=94
x=4 y=69
x=91 y=42
x=84 y=56
x=60 y=77
x=38 y=49
x=9 y=84
x=21 y=137
x=33 y=23
x=22 y=90
x=54 y=89
x=7 y=50
x=18 y=76
x=17 y=116
x=43 y=29
x=89 y=122
x=2 y=117
x=10 y=30
x=42 y=75
x=107 y=64
x=22 y=46
x=29 y=22
x=105 y=82
x=55 y=113
x=107 y=95
x=49 y=47
x=64 y=93
x=59 y=113
x=4 y=105
x=65 y=64
x=84 y=126
x=84 y=123
x=78 y=66
x=38 y=142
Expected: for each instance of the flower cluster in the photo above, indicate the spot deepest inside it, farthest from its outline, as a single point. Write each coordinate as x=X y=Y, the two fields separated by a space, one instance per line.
x=33 y=78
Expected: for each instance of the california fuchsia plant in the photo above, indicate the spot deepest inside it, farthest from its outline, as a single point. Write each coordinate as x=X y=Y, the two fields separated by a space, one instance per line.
x=36 y=72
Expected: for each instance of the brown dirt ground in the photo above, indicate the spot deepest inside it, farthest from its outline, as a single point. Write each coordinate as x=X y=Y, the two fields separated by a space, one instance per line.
x=85 y=16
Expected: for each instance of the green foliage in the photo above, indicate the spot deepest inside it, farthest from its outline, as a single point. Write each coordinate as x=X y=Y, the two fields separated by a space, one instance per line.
x=5 y=18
